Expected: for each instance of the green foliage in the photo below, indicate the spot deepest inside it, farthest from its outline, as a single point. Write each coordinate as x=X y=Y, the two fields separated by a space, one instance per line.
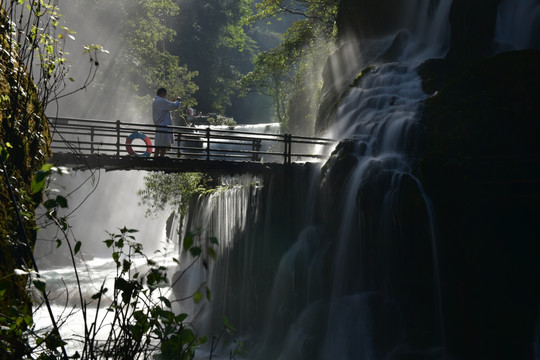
x=146 y=33
x=141 y=323
x=212 y=40
x=290 y=72
x=175 y=190
x=40 y=52
x=32 y=43
x=33 y=73
x=228 y=330
x=142 y=62
x=323 y=12
x=221 y=120
x=14 y=322
x=142 y=311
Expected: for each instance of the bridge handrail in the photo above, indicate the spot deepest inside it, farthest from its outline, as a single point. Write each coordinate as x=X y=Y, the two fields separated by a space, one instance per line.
x=152 y=126
x=102 y=132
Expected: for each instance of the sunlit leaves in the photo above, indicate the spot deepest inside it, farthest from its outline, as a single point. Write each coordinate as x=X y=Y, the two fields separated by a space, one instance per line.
x=321 y=11
x=151 y=327
x=144 y=61
x=212 y=39
x=197 y=297
x=175 y=189
x=283 y=72
x=40 y=178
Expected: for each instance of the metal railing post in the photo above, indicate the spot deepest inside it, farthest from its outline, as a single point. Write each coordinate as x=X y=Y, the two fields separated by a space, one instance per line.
x=289 y=152
x=92 y=140
x=256 y=148
x=207 y=143
x=284 y=148
x=117 y=137
x=287 y=149
x=179 y=139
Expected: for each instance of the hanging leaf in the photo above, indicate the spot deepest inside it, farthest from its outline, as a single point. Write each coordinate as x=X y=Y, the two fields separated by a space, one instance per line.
x=77 y=247
x=188 y=241
x=165 y=301
x=126 y=265
x=195 y=251
x=180 y=318
x=62 y=201
x=40 y=177
x=211 y=253
x=40 y=285
x=197 y=297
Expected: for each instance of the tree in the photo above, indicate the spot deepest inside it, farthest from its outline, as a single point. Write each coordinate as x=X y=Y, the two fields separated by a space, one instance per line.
x=141 y=62
x=174 y=190
x=271 y=77
x=322 y=12
x=290 y=72
x=145 y=52
x=212 y=40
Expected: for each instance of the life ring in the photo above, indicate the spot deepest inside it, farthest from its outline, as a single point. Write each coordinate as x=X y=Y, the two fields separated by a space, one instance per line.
x=147 y=141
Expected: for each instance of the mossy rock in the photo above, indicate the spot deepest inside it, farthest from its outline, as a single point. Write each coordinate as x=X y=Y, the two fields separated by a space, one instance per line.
x=24 y=127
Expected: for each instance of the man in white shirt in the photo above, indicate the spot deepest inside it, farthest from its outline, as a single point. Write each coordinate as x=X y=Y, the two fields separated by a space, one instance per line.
x=161 y=114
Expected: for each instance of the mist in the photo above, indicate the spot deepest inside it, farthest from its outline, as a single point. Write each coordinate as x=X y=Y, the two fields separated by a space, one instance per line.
x=99 y=202
x=105 y=98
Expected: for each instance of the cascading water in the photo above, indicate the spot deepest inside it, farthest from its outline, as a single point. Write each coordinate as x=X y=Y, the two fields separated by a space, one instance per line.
x=518 y=23
x=359 y=279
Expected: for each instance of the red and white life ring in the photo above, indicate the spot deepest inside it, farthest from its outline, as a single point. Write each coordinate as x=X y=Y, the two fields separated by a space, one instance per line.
x=147 y=141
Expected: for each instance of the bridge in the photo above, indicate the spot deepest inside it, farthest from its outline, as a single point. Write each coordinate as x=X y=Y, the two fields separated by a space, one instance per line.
x=83 y=144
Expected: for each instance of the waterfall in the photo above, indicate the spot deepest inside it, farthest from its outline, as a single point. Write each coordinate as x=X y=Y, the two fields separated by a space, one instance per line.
x=353 y=273
x=518 y=23
x=224 y=215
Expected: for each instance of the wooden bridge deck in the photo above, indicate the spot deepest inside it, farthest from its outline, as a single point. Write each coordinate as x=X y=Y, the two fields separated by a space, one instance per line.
x=97 y=144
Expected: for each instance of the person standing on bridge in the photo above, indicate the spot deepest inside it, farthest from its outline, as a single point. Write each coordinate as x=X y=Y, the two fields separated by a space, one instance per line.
x=161 y=114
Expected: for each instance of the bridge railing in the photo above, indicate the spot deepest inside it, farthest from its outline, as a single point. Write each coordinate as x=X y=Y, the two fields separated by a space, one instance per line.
x=84 y=136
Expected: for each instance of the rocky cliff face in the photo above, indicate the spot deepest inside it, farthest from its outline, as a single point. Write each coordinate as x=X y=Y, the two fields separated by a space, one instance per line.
x=473 y=25
x=480 y=167
x=363 y=19
x=473 y=22
x=481 y=170
x=24 y=140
